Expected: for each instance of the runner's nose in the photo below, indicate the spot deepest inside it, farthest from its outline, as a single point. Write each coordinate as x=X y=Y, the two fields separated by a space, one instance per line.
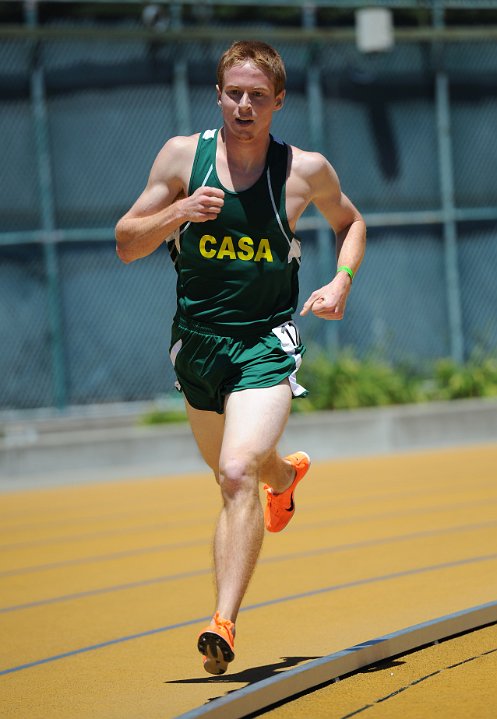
x=245 y=100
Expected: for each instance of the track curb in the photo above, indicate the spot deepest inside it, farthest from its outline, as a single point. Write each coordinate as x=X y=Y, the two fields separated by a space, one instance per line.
x=289 y=683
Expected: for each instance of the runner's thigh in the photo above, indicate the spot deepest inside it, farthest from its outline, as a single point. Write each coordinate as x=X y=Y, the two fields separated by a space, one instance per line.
x=255 y=420
x=207 y=429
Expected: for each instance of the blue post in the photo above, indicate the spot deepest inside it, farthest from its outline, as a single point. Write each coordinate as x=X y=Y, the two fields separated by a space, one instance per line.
x=38 y=102
x=442 y=100
x=327 y=261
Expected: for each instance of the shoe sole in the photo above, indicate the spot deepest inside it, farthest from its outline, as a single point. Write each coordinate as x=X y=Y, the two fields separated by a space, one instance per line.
x=217 y=652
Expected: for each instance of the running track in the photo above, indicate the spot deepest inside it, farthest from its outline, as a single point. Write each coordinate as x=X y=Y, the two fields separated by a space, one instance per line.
x=104 y=587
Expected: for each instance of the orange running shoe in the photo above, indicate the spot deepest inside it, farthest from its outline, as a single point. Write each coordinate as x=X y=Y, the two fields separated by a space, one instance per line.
x=217 y=644
x=280 y=508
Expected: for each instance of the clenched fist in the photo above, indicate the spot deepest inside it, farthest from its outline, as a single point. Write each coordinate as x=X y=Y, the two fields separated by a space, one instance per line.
x=204 y=204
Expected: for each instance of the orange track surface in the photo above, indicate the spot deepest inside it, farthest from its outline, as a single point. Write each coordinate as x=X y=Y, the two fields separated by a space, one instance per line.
x=104 y=587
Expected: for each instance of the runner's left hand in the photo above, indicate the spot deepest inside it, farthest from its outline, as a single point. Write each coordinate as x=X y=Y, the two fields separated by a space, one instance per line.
x=329 y=301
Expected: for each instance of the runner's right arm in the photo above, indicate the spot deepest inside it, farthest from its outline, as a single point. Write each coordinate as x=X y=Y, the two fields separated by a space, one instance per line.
x=164 y=205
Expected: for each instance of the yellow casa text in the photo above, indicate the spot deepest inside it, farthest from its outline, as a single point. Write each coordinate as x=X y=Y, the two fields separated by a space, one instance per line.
x=228 y=249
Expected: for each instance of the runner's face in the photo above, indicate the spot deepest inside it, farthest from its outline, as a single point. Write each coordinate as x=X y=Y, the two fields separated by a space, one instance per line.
x=247 y=101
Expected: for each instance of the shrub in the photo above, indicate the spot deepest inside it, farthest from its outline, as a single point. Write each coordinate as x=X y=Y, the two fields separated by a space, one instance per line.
x=476 y=378
x=161 y=416
x=348 y=383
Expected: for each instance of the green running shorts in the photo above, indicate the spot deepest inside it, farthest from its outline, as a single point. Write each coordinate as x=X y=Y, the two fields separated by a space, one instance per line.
x=209 y=365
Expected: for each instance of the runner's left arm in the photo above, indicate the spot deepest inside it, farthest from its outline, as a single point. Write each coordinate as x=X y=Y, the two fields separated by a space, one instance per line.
x=328 y=302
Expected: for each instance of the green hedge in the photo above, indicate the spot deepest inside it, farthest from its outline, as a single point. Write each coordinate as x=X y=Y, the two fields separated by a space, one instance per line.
x=348 y=383
x=477 y=378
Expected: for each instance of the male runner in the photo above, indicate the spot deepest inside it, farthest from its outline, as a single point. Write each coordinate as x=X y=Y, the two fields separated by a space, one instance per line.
x=227 y=203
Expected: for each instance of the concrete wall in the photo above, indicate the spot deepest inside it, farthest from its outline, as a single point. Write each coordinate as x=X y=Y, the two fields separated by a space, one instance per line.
x=44 y=451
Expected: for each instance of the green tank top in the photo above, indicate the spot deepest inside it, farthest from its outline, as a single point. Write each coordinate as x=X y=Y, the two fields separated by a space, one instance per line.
x=241 y=268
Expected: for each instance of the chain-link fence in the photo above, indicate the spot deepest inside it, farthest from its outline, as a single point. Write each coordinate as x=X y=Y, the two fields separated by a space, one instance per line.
x=410 y=132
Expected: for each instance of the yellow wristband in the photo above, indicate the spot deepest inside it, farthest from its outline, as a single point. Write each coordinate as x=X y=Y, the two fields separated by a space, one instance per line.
x=344 y=268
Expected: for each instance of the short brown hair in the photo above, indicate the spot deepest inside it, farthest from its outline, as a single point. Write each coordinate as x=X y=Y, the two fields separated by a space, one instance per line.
x=263 y=56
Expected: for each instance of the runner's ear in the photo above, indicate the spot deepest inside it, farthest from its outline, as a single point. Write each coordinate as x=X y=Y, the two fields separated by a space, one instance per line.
x=279 y=100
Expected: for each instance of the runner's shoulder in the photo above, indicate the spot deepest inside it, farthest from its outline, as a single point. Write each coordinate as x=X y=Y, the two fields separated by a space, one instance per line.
x=180 y=146
x=308 y=164
x=175 y=157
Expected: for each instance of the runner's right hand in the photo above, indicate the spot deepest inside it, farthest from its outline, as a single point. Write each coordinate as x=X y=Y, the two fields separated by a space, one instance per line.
x=204 y=204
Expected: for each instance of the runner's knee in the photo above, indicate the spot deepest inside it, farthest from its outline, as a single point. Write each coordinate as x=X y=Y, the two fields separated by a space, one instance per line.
x=238 y=476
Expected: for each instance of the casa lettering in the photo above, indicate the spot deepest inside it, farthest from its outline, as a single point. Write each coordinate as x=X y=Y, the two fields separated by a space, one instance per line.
x=239 y=249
